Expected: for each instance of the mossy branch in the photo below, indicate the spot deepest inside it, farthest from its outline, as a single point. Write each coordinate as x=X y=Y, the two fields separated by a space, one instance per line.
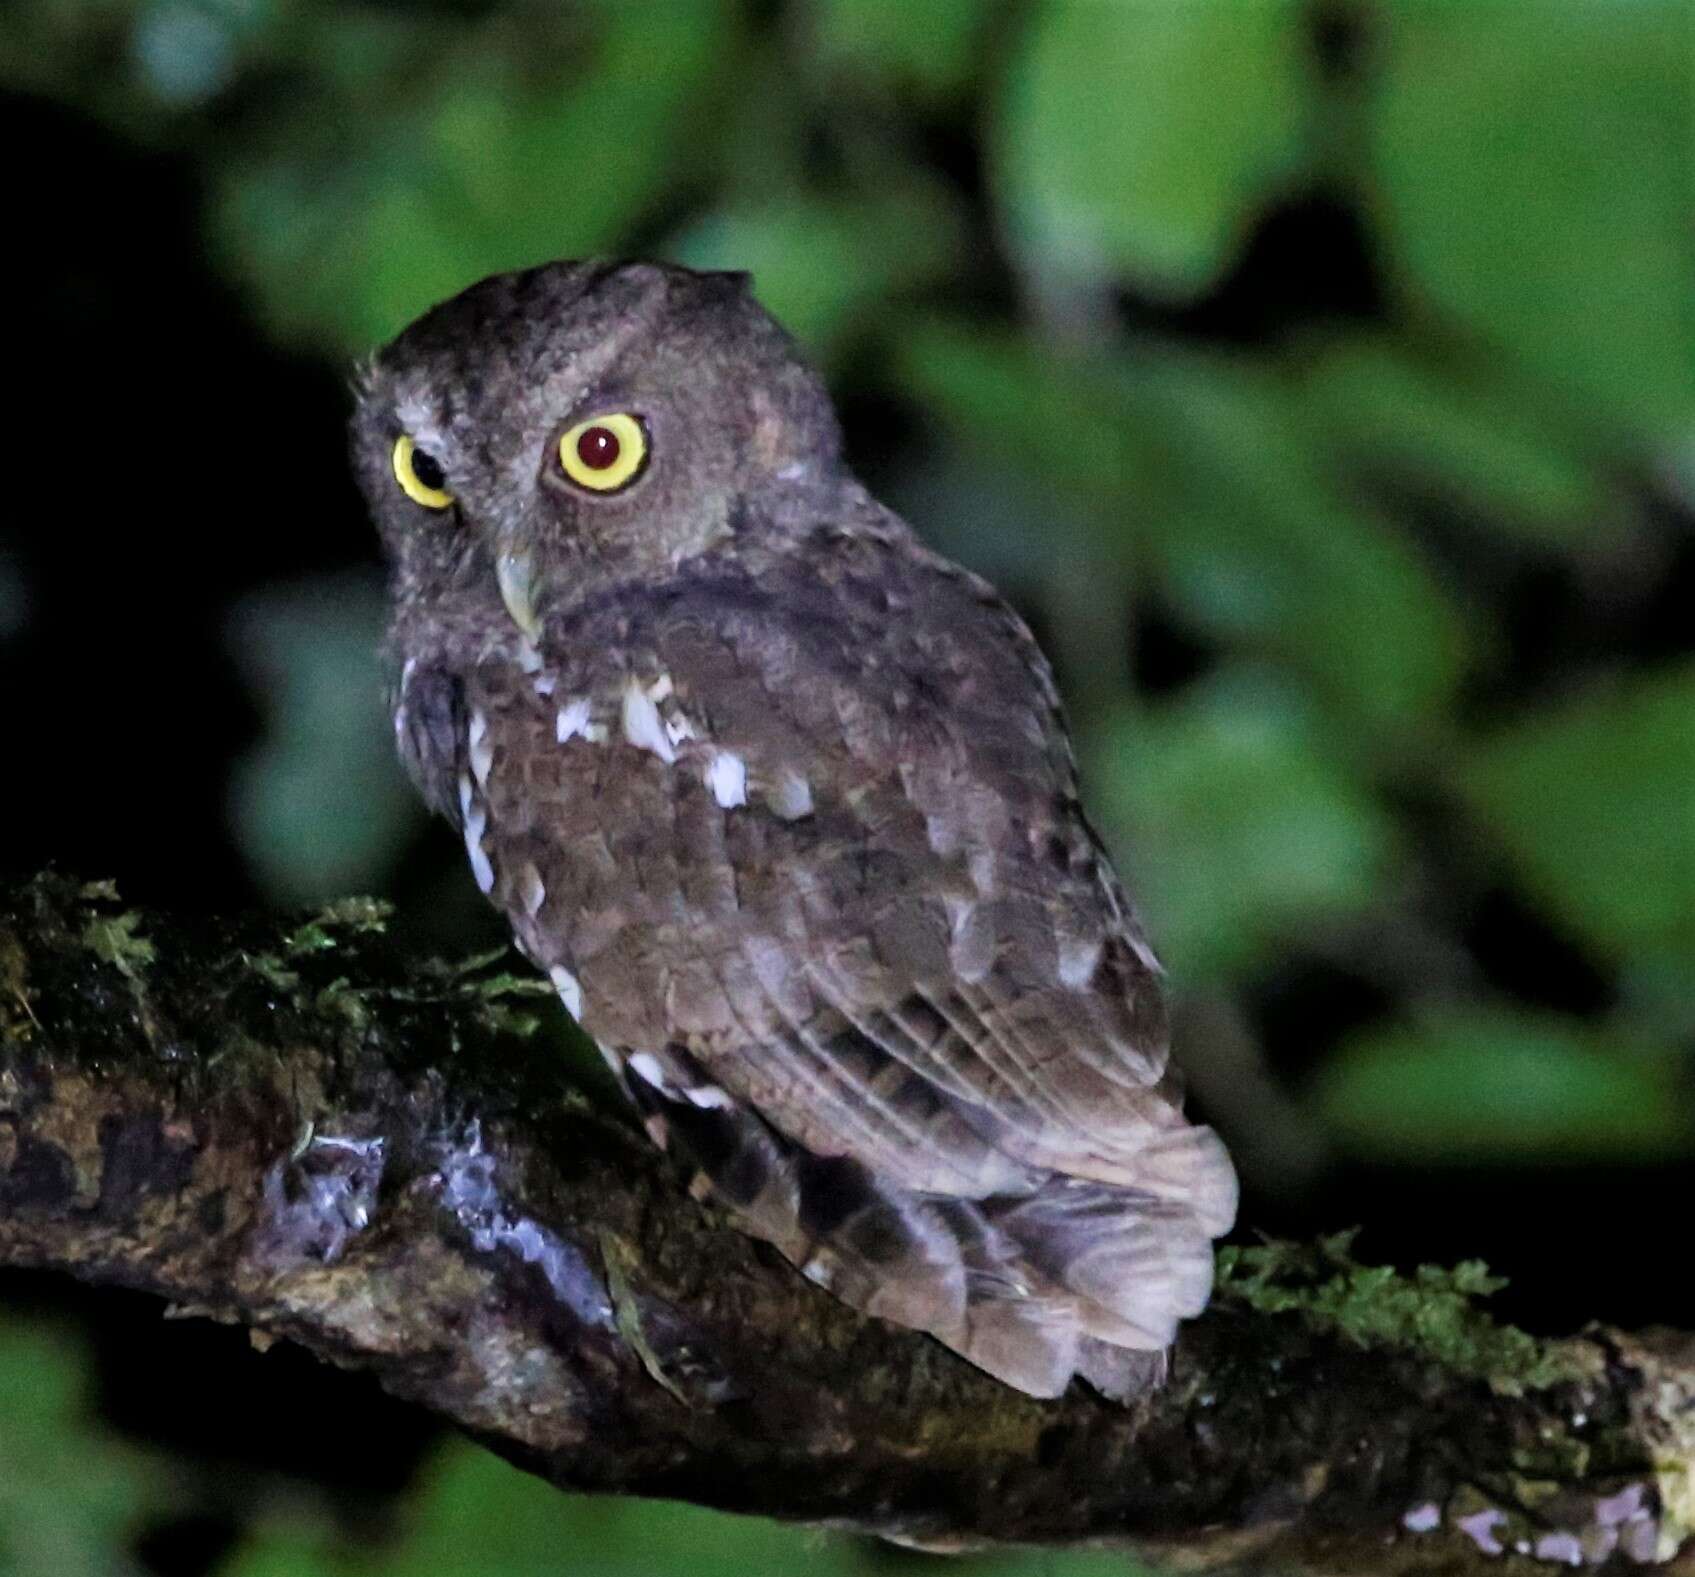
x=303 y=1130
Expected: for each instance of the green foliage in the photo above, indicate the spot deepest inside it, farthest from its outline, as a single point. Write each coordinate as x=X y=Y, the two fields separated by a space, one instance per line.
x=354 y=915
x=1443 y=428
x=1139 y=140
x=1492 y=1085
x=930 y=51
x=69 y=1495
x=311 y=652
x=1240 y=822
x=118 y=940
x=1531 y=167
x=1594 y=800
x=416 y=155
x=1434 y=1311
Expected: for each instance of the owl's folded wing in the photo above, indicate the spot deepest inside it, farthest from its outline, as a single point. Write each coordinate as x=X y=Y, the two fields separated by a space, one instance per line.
x=917 y=983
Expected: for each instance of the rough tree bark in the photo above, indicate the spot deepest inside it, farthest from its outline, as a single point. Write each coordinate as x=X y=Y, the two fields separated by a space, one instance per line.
x=303 y=1131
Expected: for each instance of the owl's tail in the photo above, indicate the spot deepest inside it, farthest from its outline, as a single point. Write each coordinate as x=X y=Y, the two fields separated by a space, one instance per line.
x=1076 y=1277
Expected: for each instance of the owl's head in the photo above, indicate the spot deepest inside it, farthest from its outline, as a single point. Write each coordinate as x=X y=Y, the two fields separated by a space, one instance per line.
x=547 y=431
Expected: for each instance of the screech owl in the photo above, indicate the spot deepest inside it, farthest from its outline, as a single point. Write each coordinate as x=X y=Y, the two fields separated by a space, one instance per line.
x=784 y=804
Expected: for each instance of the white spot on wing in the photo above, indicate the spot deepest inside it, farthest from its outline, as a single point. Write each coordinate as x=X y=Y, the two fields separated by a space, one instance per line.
x=1078 y=962
x=474 y=816
x=791 y=795
x=529 y=659
x=726 y=776
x=544 y=684
x=971 y=937
x=647 y=1066
x=573 y=720
x=570 y=993
x=678 y=728
x=400 y=701
x=709 y=1095
x=943 y=833
x=482 y=748
x=533 y=889
x=660 y=688
x=642 y=725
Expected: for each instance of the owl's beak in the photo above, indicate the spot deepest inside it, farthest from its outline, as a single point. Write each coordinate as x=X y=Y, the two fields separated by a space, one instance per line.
x=516 y=572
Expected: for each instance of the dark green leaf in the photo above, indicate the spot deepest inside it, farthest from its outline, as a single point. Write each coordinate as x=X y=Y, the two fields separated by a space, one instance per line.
x=1595 y=803
x=476 y=150
x=320 y=805
x=1465 y=437
x=930 y=49
x=1144 y=138
x=1481 y=1085
x=1236 y=825
x=1532 y=162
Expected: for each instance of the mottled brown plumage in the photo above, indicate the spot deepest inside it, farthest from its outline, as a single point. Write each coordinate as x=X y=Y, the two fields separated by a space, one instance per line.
x=784 y=803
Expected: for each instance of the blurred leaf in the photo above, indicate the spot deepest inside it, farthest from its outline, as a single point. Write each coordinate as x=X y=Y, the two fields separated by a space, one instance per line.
x=823 y=265
x=1478 y=1085
x=1467 y=438
x=1145 y=136
x=1595 y=803
x=183 y=50
x=930 y=49
x=1532 y=164
x=321 y=806
x=69 y=1497
x=455 y=152
x=1236 y=825
x=1193 y=465
x=476 y=1516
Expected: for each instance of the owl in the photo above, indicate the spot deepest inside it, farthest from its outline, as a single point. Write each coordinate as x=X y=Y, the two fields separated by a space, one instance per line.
x=783 y=804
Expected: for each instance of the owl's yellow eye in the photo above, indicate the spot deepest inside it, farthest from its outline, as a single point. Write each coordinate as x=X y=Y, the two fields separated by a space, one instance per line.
x=420 y=475
x=604 y=453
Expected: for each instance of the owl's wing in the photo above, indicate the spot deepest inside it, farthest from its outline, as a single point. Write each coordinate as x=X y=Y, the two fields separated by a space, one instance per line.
x=866 y=962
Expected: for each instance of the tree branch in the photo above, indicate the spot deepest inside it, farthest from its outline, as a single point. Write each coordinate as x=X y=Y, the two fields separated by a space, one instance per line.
x=305 y=1132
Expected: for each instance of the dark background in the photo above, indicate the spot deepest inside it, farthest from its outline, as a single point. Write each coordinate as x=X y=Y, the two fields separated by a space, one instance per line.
x=1316 y=377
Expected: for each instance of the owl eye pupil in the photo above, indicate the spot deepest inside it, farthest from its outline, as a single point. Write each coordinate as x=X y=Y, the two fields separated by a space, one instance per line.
x=598 y=448
x=428 y=469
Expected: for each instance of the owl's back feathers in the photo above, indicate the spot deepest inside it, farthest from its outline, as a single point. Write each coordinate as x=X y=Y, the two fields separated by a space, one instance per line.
x=800 y=839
